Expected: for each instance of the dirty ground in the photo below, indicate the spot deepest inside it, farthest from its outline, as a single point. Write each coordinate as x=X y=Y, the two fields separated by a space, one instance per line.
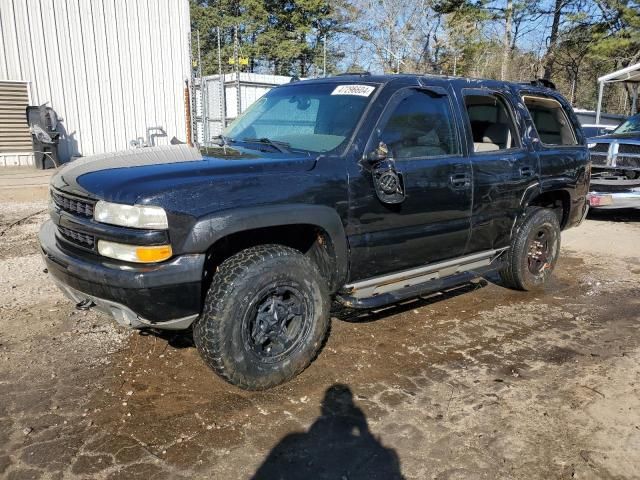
x=477 y=383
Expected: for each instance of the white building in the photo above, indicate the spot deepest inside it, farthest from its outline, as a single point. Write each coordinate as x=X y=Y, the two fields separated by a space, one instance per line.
x=111 y=69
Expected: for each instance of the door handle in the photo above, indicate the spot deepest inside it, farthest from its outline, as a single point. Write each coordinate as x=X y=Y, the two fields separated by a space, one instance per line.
x=460 y=180
x=526 y=172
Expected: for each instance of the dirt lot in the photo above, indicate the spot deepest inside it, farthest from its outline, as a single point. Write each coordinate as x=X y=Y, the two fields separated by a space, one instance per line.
x=479 y=383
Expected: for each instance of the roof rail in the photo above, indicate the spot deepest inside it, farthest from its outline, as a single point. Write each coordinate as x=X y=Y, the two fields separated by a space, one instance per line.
x=361 y=74
x=541 y=82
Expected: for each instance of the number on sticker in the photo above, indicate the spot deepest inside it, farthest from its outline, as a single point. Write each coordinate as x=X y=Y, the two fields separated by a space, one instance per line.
x=360 y=90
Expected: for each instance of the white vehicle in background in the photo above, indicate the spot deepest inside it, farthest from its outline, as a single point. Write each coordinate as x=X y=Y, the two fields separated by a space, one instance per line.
x=592 y=128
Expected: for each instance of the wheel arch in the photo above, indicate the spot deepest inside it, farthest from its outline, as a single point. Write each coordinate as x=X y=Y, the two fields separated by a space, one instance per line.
x=315 y=230
x=558 y=200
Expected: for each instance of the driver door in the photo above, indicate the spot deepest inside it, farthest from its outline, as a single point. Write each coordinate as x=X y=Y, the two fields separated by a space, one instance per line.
x=411 y=194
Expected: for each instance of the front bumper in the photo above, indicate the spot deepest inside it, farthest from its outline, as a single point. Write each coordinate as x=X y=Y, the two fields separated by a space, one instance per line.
x=612 y=200
x=165 y=295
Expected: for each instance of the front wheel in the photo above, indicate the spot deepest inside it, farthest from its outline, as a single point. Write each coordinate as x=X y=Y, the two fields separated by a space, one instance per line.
x=265 y=317
x=534 y=251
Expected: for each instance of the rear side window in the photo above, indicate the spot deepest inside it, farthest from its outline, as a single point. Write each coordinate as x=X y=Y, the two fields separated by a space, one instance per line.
x=551 y=121
x=420 y=126
x=491 y=124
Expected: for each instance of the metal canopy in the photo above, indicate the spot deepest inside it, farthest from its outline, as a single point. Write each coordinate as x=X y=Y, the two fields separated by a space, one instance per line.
x=630 y=75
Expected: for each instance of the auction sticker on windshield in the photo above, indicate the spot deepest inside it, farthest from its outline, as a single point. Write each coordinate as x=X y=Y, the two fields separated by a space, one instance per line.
x=360 y=90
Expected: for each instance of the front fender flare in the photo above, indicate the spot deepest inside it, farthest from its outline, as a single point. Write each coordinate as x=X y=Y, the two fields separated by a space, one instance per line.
x=208 y=230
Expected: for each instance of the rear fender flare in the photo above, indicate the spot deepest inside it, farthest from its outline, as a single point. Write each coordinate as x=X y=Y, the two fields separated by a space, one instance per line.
x=531 y=192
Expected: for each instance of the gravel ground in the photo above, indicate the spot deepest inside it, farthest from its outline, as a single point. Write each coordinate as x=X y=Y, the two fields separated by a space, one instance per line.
x=481 y=382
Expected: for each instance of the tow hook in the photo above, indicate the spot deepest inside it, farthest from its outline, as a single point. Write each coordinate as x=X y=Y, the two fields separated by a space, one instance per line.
x=85 y=304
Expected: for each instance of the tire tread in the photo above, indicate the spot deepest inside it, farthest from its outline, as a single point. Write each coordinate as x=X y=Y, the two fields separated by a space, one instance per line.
x=208 y=338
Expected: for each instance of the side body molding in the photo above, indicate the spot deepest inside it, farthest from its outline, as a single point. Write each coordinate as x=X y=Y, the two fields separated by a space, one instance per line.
x=210 y=229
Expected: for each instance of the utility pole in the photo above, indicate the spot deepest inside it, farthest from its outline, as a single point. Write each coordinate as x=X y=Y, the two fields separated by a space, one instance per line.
x=324 y=56
x=223 y=100
x=203 y=97
x=236 y=62
x=506 y=41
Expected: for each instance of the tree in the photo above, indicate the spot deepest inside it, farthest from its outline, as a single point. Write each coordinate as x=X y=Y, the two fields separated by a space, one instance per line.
x=553 y=39
x=279 y=36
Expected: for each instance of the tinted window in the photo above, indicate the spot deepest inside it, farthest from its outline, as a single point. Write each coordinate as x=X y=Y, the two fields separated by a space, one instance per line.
x=421 y=125
x=551 y=121
x=491 y=125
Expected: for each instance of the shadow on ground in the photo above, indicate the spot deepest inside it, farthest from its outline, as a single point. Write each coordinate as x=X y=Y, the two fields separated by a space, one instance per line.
x=338 y=445
x=617 y=215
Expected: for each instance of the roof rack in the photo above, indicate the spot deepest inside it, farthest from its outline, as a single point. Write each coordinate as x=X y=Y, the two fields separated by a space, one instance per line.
x=360 y=74
x=541 y=82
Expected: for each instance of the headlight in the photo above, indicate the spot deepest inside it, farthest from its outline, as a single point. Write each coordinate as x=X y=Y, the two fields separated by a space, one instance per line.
x=136 y=216
x=134 y=253
x=591 y=145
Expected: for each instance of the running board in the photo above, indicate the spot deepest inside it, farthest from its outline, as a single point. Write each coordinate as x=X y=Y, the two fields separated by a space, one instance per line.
x=386 y=289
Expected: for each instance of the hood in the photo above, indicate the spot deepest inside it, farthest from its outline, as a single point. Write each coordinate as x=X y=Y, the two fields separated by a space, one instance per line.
x=617 y=136
x=136 y=175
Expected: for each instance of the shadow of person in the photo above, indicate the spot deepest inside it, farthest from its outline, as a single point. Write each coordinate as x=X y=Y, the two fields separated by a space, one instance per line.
x=339 y=445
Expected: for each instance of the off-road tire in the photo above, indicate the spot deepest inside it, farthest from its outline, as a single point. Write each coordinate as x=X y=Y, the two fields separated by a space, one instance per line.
x=219 y=334
x=517 y=274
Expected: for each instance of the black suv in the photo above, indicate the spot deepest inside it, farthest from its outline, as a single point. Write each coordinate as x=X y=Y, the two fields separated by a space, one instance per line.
x=359 y=189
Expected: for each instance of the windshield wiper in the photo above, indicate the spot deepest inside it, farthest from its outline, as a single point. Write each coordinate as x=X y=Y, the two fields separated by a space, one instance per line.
x=282 y=147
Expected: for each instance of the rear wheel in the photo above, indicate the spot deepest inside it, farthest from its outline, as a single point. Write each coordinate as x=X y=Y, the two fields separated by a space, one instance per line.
x=534 y=251
x=265 y=317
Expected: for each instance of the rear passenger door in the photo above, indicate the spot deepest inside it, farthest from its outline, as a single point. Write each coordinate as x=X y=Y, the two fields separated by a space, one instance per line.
x=504 y=165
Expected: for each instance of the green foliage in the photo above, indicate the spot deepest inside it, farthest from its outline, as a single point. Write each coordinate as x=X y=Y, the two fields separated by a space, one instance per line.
x=278 y=36
x=617 y=34
x=571 y=41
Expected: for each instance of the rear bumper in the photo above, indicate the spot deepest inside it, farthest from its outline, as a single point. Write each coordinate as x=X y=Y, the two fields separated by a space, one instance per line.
x=612 y=200
x=165 y=295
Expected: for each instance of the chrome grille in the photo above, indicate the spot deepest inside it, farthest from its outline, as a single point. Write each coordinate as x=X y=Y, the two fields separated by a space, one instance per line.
x=78 y=238
x=625 y=161
x=599 y=158
x=629 y=148
x=73 y=205
x=600 y=148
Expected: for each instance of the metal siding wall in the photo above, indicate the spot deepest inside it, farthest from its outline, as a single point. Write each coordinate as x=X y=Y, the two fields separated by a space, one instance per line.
x=110 y=68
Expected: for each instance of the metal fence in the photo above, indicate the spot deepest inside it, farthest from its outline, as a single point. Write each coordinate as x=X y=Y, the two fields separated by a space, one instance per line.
x=217 y=103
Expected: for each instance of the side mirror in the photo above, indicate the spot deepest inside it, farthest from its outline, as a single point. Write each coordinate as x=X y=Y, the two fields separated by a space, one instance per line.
x=379 y=154
x=387 y=181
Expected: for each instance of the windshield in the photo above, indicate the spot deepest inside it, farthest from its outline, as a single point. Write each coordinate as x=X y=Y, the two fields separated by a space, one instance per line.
x=313 y=117
x=632 y=124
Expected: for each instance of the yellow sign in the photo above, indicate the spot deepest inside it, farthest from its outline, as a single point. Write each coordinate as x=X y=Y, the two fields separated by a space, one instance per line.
x=241 y=61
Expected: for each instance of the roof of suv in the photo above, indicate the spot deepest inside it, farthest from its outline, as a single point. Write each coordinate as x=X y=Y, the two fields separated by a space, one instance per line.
x=433 y=79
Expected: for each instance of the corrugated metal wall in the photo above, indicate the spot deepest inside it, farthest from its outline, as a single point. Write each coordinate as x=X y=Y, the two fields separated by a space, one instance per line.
x=110 y=68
